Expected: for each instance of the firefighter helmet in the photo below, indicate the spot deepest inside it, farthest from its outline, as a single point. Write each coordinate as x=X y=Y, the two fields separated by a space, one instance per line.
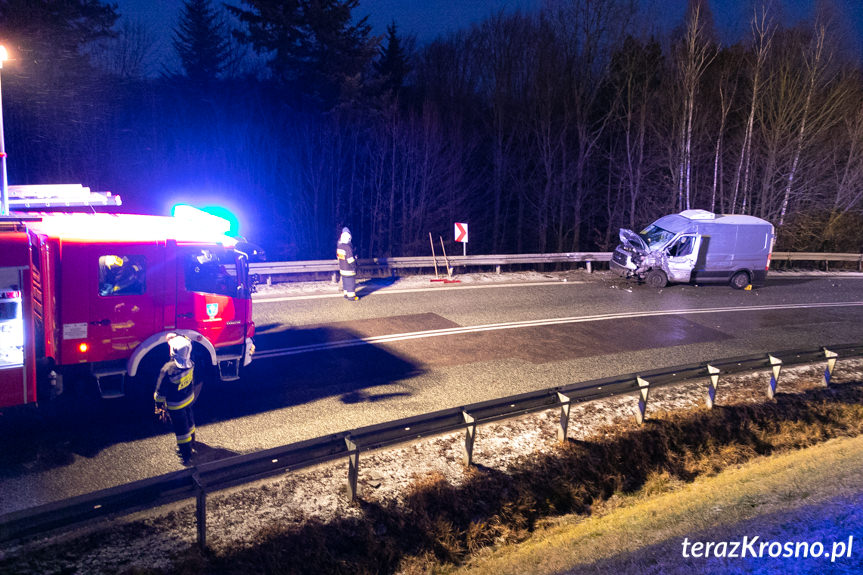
x=181 y=350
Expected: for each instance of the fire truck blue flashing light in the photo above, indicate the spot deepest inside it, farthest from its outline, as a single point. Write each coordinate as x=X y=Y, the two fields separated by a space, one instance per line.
x=213 y=217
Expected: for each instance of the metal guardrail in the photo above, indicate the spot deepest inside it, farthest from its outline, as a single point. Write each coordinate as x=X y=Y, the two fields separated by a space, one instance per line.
x=269 y=269
x=421 y=262
x=206 y=478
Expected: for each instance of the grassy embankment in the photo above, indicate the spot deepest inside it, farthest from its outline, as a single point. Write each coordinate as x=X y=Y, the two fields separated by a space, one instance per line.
x=809 y=495
x=674 y=456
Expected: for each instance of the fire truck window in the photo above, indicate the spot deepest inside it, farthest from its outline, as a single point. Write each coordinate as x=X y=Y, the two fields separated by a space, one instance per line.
x=121 y=275
x=211 y=271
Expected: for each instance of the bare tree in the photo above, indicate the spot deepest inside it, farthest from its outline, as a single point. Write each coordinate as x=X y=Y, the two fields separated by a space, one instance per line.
x=762 y=35
x=634 y=77
x=696 y=50
x=818 y=59
x=129 y=54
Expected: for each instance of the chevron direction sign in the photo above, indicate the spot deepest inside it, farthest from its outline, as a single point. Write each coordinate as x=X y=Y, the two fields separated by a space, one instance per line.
x=461 y=232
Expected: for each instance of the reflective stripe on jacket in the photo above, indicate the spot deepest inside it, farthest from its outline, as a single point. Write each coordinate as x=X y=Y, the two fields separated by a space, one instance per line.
x=175 y=386
x=347 y=261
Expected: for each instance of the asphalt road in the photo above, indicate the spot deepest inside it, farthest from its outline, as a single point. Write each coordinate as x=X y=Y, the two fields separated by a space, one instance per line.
x=325 y=365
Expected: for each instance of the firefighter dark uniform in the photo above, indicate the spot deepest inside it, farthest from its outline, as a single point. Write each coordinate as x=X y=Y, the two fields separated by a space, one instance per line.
x=175 y=391
x=347 y=265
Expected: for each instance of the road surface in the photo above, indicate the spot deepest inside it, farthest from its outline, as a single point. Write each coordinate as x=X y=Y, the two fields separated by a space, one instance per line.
x=326 y=365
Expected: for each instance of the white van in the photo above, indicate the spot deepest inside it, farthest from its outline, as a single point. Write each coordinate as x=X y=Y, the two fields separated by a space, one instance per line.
x=697 y=246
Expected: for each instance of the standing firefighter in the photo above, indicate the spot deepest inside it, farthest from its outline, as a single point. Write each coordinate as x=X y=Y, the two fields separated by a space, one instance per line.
x=347 y=264
x=175 y=392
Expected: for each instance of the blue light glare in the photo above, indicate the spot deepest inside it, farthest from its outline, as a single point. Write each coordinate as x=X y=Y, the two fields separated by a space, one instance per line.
x=225 y=214
x=217 y=211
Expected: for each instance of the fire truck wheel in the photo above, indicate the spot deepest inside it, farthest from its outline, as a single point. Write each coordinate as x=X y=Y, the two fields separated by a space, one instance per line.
x=203 y=368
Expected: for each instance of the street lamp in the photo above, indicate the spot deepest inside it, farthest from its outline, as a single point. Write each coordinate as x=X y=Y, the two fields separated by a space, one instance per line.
x=4 y=192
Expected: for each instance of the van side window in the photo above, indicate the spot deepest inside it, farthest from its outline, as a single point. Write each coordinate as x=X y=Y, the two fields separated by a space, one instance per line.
x=681 y=248
x=121 y=275
x=211 y=271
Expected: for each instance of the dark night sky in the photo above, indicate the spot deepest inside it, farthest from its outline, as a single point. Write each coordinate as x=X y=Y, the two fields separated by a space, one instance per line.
x=429 y=18
x=425 y=18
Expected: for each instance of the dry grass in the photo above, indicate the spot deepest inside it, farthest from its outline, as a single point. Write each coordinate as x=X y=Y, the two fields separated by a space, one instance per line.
x=439 y=524
x=643 y=532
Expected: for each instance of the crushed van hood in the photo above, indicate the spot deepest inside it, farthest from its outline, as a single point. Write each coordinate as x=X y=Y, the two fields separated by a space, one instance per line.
x=632 y=240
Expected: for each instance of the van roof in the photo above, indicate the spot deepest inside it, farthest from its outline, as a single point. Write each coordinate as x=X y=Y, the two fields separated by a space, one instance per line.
x=106 y=228
x=740 y=219
x=680 y=223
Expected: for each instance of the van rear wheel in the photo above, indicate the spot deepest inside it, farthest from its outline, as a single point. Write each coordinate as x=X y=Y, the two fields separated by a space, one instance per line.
x=740 y=280
x=656 y=279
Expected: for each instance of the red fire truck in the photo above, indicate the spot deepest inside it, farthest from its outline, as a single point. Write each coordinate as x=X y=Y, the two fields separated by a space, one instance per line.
x=92 y=296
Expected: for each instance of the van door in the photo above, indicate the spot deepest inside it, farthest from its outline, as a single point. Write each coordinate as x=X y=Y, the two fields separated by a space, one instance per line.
x=681 y=256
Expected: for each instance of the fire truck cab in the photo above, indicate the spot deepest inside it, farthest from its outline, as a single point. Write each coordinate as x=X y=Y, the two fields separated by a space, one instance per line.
x=95 y=294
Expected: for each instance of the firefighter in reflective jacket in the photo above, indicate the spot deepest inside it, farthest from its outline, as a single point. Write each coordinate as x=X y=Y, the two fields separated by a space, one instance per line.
x=347 y=265
x=175 y=392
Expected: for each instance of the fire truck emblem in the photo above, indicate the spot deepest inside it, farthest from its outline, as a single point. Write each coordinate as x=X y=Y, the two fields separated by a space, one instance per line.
x=212 y=310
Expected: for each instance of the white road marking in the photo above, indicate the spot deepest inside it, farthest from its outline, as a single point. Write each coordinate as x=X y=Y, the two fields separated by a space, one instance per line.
x=263 y=354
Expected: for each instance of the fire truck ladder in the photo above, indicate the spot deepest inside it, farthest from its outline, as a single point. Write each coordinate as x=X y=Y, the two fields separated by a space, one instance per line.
x=58 y=196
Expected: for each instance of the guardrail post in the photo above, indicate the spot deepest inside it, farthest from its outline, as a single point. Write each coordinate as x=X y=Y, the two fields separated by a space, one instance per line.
x=497 y=269
x=831 y=363
x=589 y=267
x=565 y=404
x=200 y=511
x=469 y=437
x=776 y=367
x=643 y=391
x=714 y=384
x=353 y=467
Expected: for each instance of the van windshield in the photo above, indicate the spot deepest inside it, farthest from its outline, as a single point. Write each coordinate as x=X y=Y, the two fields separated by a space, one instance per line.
x=654 y=236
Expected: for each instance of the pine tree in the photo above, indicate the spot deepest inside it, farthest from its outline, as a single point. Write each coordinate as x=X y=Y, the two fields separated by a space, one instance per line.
x=392 y=64
x=200 y=40
x=313 y=46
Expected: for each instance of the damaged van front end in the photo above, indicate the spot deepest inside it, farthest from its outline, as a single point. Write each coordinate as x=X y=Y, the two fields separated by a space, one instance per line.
x=657 y=255
x=634 y=259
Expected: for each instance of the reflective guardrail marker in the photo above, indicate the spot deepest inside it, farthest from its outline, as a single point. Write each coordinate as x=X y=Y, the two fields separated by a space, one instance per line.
x=776 y=367
x=714 y=384
x=831 y=363
x=643 y=391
